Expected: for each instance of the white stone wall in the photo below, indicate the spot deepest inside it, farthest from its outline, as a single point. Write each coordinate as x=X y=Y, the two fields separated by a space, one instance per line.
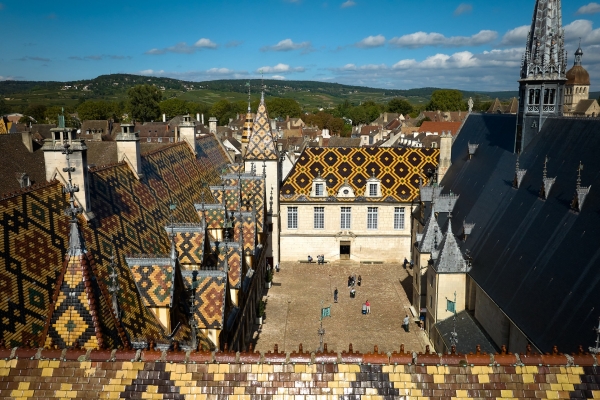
x=382 y=244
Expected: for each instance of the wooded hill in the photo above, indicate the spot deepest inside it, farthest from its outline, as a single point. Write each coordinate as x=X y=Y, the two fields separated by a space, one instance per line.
x=309 y=94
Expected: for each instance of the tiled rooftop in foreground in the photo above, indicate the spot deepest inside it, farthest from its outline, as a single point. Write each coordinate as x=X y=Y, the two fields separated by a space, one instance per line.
x=27 y=373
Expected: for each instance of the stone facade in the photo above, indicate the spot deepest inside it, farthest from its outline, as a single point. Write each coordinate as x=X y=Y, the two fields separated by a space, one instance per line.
x=382 y=244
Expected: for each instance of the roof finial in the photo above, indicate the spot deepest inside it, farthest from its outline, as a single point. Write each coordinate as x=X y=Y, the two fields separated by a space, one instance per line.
x=545 y=166
x=172 y=208
x=517 y=166
x=262 y=87
x=248 y=85
x=579 y=169
x=75 y=243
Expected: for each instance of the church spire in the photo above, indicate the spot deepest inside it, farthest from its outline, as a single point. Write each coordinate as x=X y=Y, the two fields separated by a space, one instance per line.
x=247 y=130
x=545 y=56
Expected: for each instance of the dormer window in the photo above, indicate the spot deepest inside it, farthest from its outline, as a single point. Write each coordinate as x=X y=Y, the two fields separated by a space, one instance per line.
x=346 y=190
x=373 y=187
x=319 y=187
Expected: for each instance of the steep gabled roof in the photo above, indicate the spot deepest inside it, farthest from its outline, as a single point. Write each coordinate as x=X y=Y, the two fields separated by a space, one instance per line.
x=537 y=259
x=261 y=145
x=432 y=235
x=450 y=258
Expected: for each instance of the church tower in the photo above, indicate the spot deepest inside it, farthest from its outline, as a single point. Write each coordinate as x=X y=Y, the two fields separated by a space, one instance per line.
x=543 y=72
x=262 y=156
x=577 y=87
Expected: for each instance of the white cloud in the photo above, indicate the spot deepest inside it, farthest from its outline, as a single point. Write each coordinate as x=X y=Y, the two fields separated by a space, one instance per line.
x=151 y=72
x=463 y=8
x=348 y=3
x=279 y=69
x=591 y=8
x=278 y=77
x=220 y=71
x=287 y=45
x=234 y=43
x=516 y=36
x=198 y=75
x=422 y=39
x=205 y=44
x=371 y=41
x=584 y=29
x=184 y=48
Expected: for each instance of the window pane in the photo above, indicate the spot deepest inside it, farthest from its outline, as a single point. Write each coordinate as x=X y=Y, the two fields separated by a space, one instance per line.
x=292 y=217
x=345 y=218
x=319 y=218
x=399 y=218
x=373 y=189
x=319 y=189
x=371 y=217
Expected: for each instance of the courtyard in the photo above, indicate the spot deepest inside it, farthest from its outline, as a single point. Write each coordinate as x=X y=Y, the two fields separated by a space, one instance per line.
x=300 y=289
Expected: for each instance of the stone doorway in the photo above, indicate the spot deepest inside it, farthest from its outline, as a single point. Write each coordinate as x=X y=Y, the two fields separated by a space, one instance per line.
x=344 y=250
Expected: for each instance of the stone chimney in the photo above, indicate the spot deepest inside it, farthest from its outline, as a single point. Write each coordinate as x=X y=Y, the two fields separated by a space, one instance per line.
x=198 y=118
x=27 y=137
x=445 y=154
x=128 y=148
x=202 y=116
x=164 y=117
x=212 y=125
x=187 y=131
x=56 y=163
x=385 y=117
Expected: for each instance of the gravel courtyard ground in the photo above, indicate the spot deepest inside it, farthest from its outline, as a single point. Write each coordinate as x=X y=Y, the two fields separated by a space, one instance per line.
x=294 y=308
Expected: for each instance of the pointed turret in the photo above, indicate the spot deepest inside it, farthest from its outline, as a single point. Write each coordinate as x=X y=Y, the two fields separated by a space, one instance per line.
x=432 y=235
x=74 y=317
x=543 y=72
x=247 y=130
x=261 y=144
x=450 y=257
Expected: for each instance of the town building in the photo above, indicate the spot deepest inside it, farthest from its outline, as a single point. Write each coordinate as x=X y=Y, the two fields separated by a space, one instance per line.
x=352 y=203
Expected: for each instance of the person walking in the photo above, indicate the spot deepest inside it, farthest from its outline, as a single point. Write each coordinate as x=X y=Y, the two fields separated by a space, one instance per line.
x=406 y=323
x=359 y=280
x=335 y=294
x=277 y=267
x=368 y=306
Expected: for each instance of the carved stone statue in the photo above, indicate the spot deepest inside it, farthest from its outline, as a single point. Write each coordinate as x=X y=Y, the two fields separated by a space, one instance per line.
x=470 y=103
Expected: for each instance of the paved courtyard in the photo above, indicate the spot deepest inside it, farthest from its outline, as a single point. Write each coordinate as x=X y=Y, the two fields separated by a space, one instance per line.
x=294 y=304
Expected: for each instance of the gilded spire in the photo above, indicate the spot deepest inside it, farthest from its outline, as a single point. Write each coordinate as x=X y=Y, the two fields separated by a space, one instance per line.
x=247 y=130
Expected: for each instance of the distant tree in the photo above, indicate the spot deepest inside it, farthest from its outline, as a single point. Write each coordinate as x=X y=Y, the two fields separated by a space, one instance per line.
x=222 y=110
x=4 y=108
x=144 y=102
x=99 y=110
x=423 y=120
x=52 y=114
x=447 y=100
x=399 y=106
x=324 y=120
x=358 y=115
x=173 y=107
x=37 y=112
x=279 y=107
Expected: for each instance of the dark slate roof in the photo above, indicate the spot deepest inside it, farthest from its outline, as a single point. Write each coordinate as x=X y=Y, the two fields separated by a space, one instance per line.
x=19 y=159
x=538 y=260
x=469 y=334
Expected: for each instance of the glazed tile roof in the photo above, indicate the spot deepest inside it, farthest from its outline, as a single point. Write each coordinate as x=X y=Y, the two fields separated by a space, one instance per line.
x=357 y=376
x=400 y=171
x=261 y=145
x=210 y=299
x=154 y=279
x=130 y=216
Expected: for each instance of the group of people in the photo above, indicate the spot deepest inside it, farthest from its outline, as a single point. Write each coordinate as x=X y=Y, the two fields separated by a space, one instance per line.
x=352 y=280
x=320 y=259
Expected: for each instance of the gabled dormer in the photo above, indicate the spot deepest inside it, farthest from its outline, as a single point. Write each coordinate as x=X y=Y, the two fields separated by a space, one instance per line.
x=373 y=188
x=319 y=187
x=346 y=191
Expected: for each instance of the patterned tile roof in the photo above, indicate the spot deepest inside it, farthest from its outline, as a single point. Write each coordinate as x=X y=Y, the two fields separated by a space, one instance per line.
x=130 y=216
x=154 y=279
x=358 y=376
x=261 y=145
x=398 y=169
x=210 y=297
x=234 y=261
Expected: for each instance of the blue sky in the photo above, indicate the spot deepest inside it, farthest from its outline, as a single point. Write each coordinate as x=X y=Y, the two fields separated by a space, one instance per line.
x=470 y=45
